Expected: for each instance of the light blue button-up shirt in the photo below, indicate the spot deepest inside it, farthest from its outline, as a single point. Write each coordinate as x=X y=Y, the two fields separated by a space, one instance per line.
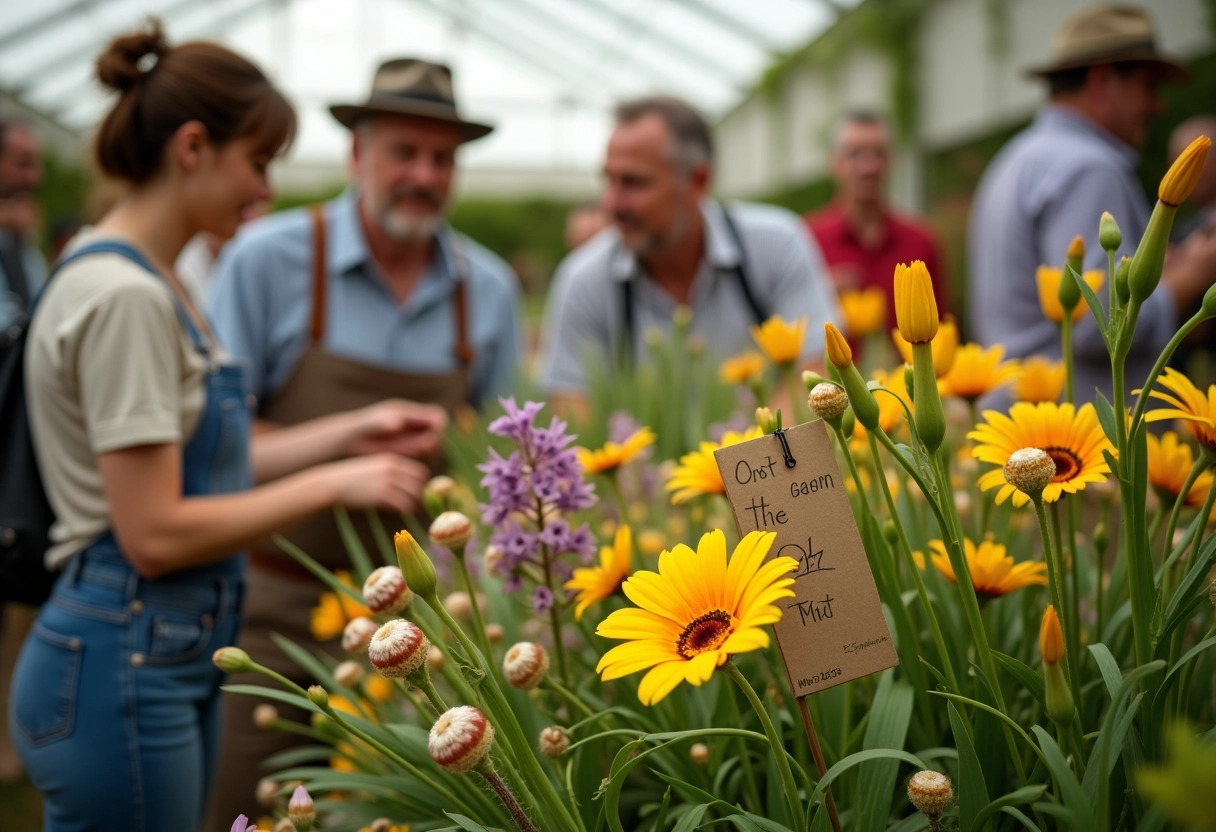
x=261 y=304
x=11 y=308
x=1049 y=184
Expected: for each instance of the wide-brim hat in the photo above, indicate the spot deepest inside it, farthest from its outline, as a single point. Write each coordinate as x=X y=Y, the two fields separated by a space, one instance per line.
x=1104 y=35
x=411 y=87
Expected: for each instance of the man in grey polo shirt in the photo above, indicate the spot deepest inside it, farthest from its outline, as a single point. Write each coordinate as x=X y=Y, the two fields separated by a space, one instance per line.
x=671 y=245
x=1053 y=181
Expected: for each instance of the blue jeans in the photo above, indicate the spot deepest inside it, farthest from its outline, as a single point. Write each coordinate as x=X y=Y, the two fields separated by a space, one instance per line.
x=116 y=705
x=115 y=702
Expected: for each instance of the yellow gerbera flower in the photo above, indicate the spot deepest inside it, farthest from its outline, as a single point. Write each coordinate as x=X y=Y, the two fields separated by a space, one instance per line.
x=698 y=472
x=1188 y=403
x=695 y=612
x=595 y=583
x=1072 y=437
x=615 y=454
x=977 y=371
x=1049 y=277
x=993 y=573
x=333 y=611
x=1039 y=380
x=742 y=369
x=781 y=340
x=864 y=311
x=1169 y=463
x=945 y=347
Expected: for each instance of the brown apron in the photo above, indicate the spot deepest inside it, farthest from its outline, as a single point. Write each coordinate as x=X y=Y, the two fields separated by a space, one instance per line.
x=323 y=384
x=279 y=592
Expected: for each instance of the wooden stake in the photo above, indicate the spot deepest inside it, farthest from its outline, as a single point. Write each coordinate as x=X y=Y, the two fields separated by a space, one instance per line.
x=817 y=753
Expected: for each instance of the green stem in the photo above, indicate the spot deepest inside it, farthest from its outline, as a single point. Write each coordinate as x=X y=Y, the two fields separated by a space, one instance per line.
x=749 y=774
x=774 y=739
x=1140 y=602
x=532 y=772
x=797 y=394
x=572 y=699
x=427 y=687
x=1066 y=352
x=507 y=798
x=938 y=640
x=478 y=621
x=1050 y=529
x=966 y=590
x=1178 y=338
x=1172 y=525
x=555 y=624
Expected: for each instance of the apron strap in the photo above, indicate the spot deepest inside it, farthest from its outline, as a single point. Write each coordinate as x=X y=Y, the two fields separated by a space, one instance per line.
x=318 y=272
x=460 y=265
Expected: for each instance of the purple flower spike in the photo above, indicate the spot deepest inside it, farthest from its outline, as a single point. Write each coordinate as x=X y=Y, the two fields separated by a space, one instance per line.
x=242 y=824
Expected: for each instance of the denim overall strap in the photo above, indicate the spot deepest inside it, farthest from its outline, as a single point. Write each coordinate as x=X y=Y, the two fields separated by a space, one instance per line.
x=216 y=458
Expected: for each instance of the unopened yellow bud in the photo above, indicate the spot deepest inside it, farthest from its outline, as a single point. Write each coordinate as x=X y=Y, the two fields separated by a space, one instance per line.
x=1069 y=293
x=915 y=305
x=1051 y=637
x=1180 y=180
x=839 y=352
x=765 y=419
x=416 y=567
x=232 y=660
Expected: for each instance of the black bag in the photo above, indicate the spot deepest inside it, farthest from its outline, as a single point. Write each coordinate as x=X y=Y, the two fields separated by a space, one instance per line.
x=25 y=514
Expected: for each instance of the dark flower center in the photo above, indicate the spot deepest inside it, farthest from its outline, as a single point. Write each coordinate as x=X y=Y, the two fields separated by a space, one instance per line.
x=705 y=633
x=1068 y=464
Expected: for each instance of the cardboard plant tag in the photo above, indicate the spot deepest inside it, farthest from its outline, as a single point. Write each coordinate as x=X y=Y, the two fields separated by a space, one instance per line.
x=833 y=629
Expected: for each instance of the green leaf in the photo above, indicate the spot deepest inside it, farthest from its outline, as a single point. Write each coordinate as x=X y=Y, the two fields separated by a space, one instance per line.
x=1091 y=300
x=690 y=820
x=1206 y=644
x=307 y=662
x=1026 y=677
x=465 y=823
x=1026 y=822
x=972 y=790
x=748 y=822
x=384 y=543
x=323 y=574
x=1076 y=807
x=1017 y=729
x=354 y=546
x=857 y=759
x=890 y=714
x=273 y=693
x=1026 y=794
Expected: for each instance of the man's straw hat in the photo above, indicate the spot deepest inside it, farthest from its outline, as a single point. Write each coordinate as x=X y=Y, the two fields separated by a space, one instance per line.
x=411 y=87
x=1107 y=34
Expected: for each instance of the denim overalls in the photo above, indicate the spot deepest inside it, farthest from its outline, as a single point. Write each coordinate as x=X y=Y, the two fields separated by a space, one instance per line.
x=115 y=700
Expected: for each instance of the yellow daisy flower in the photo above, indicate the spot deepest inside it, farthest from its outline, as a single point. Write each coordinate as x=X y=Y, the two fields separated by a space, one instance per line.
x=1072 y=437
x=864 y=311
x=698 y=473
x=1039 y=380
x=945 y=346
x=695 y=612
x=993 y=573
x=1049 y=277
x=780 y=339
x=615 y=454
x=333 y=611
x=595 y=583
x=1188 y=403
x=742 y=369
x=1169 y=463
x=977 y=371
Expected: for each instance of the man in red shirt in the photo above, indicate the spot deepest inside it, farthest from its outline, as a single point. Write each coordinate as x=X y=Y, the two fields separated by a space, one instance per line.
x=861 y=237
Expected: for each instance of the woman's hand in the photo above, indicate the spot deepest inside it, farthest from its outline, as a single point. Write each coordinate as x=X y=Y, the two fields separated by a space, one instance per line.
x=378 y=481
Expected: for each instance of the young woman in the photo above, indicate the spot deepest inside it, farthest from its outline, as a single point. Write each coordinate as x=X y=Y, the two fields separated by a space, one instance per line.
x=141 y=427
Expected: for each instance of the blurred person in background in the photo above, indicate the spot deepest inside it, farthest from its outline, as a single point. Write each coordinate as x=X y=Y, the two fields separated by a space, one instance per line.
x=584 y=222
x=22 y=267
x=22 y=274
x=861 y=237
x=369 y=296
x=196 y=264
x=1053 y=181
x=672 y=245
x=140 y=424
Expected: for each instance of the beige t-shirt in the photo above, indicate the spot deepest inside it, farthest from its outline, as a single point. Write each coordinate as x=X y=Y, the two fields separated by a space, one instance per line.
x=108 y=366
